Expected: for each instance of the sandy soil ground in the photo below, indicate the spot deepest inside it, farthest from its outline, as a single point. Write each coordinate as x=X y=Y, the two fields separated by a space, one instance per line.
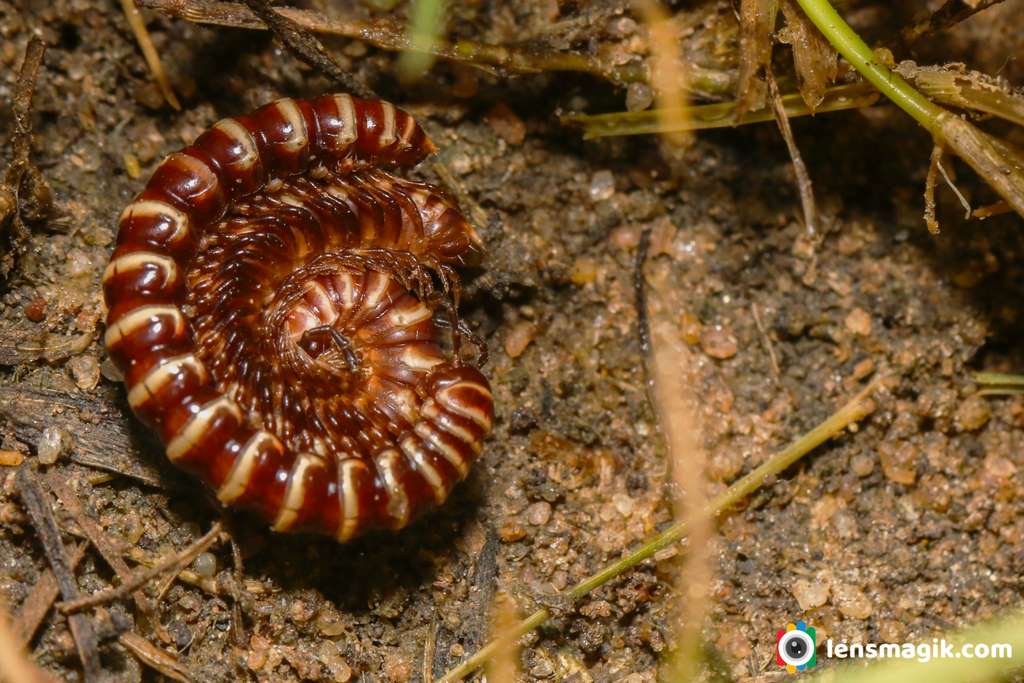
x=910 y=525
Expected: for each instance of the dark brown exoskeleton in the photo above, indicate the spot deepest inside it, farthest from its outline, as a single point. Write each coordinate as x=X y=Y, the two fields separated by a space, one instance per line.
x=271 y=303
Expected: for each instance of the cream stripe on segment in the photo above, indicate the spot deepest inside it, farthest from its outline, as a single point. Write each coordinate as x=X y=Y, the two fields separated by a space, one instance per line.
x=296 y=493
x=243 y=138
x=130 y=322
x=337 y=191
x=349 y=498
x=445 y=398
x=347 y=114
x=411 y=447
x=410 y=127
x=137 y=260
x=405 y=401
x=398 y=499
x=387 y=135
x=193 y=430
x=427 y=432
x=159 y=376
x=404 y=317
x=149 y=208
x=380 y=283
x=241 y=472
x=198 y=169
x=318 y=298
x=346 y=288
x=418 y=360
x=289 y=111
x=291 y=200
x=433 y=412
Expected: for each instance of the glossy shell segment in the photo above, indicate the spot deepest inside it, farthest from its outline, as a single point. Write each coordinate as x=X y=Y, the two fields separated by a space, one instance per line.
x=270 y=304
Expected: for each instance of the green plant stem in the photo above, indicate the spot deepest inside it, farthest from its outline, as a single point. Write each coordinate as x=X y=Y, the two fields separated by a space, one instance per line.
x=857 y=52
x=1000 y=378
x=990 y=158
x=858 y=408
x=999 y=384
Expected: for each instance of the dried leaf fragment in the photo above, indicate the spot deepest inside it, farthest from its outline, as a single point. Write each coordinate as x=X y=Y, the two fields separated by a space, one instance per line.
x=816 y=61
x=757 y=21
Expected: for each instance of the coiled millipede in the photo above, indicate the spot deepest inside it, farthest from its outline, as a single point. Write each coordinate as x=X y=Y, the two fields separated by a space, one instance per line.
x=271 y=302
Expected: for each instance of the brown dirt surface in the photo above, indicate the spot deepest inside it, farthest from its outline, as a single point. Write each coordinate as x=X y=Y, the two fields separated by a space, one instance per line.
x=906 y=526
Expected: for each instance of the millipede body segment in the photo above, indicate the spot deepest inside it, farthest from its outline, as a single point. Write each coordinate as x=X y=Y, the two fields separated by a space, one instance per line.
x=273 y=304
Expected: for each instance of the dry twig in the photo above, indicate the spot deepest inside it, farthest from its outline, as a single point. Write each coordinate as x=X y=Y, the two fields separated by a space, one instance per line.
x=155 y=658
x=803 y=178
x=173 y=564
x=951 y=13
x=24 y=193
x=99 y=540
x=306 y=47
x=41 y=513
x=389 y=35
x=40 y=599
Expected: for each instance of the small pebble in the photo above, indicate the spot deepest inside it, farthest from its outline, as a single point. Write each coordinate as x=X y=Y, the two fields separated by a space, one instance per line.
x=299 y=611
x=639 y=96
x=51 y=445
x=972 y=414
x=809 y=594
x=863 y=369
x=859 y=322
x=329 y=623
x=602 y=186
x=584 y=271
x=690 y=328
x=79 y=263
x=623 y=27
x=892 y=631
x=335 y=663
x=257 y=656
x=86 y=371
x=623 y=503
x=397 y=669
x=999 y=467
x=538 y=513
x=852 y=602
x=862 y=464
x=506 y=124
x=899 y=462
x=205 y=565
x=519 y=337
x=11 y=458
x=718 y=342
x=460 y=163
x=131 y=165
x=35 y=310
x=511 y=531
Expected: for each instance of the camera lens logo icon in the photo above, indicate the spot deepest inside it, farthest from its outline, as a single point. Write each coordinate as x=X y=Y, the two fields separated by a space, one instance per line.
x=795 y=647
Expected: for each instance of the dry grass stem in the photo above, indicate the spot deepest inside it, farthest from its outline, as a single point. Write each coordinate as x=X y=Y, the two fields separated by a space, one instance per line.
x=149 y=53
x=668 y=75
x=174 y=564
x=803 y=178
